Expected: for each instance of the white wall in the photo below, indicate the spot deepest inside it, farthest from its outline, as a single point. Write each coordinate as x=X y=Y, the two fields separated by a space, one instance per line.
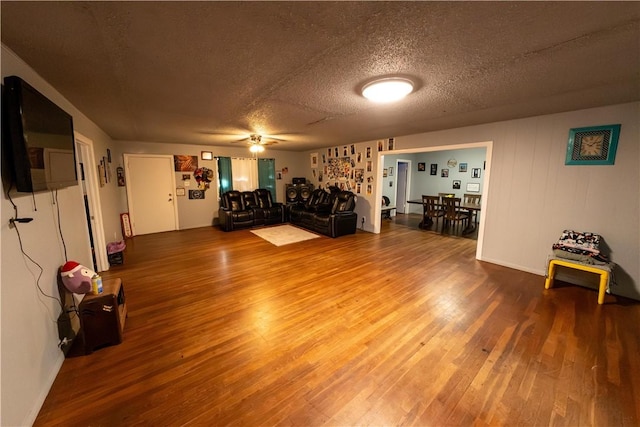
x=29 y=355
x=533 y=196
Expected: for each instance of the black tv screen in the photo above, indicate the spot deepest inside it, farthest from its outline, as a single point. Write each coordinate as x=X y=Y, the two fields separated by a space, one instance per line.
x=38 y=142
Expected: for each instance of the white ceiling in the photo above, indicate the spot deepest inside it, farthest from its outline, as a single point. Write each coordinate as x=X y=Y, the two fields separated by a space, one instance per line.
x=213 y=72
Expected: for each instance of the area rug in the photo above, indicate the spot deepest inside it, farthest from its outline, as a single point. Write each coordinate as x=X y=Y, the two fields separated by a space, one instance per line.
x=281 y=235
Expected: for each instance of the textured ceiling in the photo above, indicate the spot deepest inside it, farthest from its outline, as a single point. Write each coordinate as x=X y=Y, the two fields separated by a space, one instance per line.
x=213 y=72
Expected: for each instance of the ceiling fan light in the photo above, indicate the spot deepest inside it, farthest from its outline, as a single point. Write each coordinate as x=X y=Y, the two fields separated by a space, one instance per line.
x=387 y=90
x=256 y=148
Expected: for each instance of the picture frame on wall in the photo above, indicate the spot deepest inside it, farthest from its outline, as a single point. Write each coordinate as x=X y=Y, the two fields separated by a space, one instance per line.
x=473 y=187
x=462 y=167
x=444 y=173
x=434 y=169
x=421 y=166
x=475 y=173
x=456 y=184
x=206 y=155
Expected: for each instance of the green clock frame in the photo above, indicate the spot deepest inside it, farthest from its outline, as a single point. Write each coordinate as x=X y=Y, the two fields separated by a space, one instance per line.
x=607 y=155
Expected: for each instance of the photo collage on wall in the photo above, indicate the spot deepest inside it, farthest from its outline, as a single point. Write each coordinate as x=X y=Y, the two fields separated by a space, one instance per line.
x=347 y=168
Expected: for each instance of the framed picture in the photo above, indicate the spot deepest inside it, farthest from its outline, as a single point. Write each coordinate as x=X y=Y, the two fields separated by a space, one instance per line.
x=473 y=187
x=184 y=163
x=456 y=184
x=206 y=155
x=421 y=167
x=462 y=167
x=314 y=160
x=595 y=145
x=444 y=173
x=475 y=173
x=196 y=194
x=434 y=169
x=391 y=171
x=384 y=172
x=180 y=191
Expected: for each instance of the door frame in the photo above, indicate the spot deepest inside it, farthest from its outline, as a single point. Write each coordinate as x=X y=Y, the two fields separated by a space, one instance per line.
x=130 y=203
x=85 y=146
x=488 y=145
x=407 y=187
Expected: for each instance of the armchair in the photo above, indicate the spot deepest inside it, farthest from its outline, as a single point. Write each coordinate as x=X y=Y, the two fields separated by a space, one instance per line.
x=268 y=211
x=341 y=219
x=233 y=212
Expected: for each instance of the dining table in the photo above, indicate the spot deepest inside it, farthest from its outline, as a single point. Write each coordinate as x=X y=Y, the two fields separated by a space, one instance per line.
x=471 y=207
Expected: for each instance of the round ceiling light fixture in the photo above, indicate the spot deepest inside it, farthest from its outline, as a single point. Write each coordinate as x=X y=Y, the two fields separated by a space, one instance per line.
x=388 y=89
x=256 y=148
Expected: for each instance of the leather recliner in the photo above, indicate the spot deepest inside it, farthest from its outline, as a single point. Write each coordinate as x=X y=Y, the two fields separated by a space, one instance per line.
x=234 y=213
x=248 y=208
x=268 y=211
x=328 y=214
x=341 y=219
x=302 y=213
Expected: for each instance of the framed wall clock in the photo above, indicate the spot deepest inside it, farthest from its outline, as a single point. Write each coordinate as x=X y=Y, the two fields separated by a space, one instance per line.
x=595 y=145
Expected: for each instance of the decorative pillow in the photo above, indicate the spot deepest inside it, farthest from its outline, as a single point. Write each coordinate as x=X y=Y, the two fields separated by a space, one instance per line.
x=76 y=277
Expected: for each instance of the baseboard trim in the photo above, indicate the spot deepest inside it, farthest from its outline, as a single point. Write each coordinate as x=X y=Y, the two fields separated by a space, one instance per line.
x=37 y=404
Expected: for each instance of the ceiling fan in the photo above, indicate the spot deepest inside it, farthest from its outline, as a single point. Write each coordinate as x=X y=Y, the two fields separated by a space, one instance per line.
x=258 y=142
x=257 y=139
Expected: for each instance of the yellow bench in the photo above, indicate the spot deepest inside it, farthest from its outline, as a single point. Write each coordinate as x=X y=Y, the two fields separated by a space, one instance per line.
x=603 y=270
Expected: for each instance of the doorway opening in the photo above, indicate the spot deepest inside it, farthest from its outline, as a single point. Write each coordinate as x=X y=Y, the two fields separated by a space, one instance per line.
x=439 y=171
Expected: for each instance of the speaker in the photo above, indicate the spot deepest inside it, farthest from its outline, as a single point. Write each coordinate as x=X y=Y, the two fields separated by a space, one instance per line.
x=291 y=193
x=298 y=193
x=298 y=181
x=304 y=192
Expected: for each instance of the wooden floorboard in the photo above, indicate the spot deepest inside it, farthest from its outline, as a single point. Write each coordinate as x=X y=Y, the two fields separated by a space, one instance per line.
x=400 y=328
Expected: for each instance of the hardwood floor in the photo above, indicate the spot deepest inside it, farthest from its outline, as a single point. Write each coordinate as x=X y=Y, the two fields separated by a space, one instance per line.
x=400 y=328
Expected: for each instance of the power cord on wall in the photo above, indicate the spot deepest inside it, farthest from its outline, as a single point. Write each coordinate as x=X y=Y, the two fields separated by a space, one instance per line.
x=64 y=245
x=13 y=223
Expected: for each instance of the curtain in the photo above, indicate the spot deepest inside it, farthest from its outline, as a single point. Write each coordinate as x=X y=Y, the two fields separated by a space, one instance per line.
x=267 y=175
x=245 y=174
x=225 y=178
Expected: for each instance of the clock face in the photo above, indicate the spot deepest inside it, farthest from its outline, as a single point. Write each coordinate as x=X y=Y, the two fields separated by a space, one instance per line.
x=591 y=145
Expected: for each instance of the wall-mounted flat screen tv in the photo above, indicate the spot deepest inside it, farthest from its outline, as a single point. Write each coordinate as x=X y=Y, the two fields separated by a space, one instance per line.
x=37 y=142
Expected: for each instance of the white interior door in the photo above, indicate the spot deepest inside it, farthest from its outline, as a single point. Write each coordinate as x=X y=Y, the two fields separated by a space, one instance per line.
x=151 y=193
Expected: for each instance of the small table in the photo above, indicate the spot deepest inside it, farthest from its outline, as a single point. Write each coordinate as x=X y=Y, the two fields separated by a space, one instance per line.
x=604 y=271
x=102 y=316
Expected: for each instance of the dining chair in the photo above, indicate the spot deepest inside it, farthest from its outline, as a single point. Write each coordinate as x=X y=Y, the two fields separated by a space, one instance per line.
x=472 y=199
x=443 y=195
x=453 y=214
x=430 y=210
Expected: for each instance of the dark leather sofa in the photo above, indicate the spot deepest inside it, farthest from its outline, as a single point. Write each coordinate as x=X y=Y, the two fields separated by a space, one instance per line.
x=330 y=214
x=249 y=208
